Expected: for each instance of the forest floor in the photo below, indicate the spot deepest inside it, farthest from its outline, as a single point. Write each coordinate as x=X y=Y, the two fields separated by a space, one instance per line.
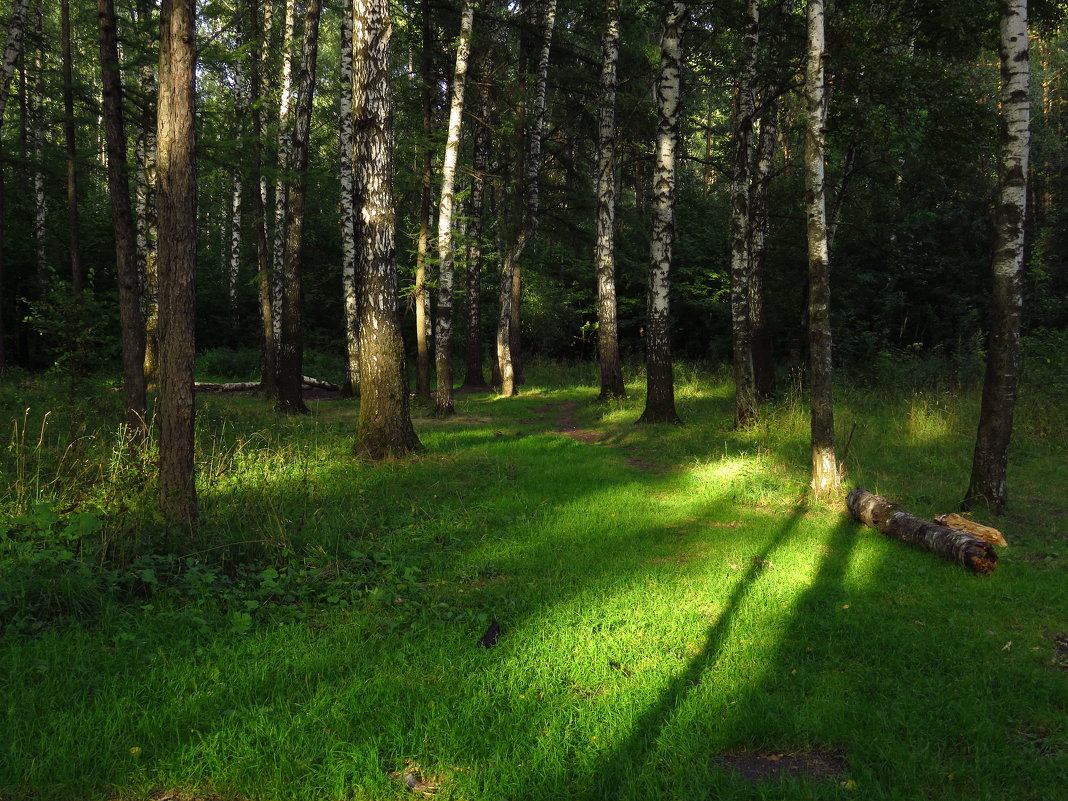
x=667 y=614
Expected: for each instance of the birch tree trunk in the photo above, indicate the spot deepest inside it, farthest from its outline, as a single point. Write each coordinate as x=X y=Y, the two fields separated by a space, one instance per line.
x=508 y=316
x=421 y=296
x=384 y=427
x=285 y=166
x=474 y=378
x=660 y=387
x=826 y=477
x=604 y=253
x=131 y=321
x=291 y=345
x=73 y=235
x=12 y=50
x=259 y=30
x=177 y=260
x=446 y=247
x=741 y=221
x=990 y=461
x=349 y=275
x=146 y=200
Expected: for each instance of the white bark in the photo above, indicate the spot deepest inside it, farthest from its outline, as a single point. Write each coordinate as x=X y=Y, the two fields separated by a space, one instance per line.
x=349 y=285
x=990 y=460
x=446 y=245
x=825 y=475
x=660 y=395
x=15 y=31
x=234 y=273
x=285 y=159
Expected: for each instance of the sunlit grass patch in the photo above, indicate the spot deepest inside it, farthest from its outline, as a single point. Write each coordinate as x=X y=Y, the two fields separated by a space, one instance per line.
x=665 y=596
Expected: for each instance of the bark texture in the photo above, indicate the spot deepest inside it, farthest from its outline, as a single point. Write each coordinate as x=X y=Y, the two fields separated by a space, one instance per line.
x=474 y=377
x=421 y=296
x=131 y=320
x=443 y=405
x=146 y=199
x=988 y=486
x=604 y=255
x=893 y=521
x=177 y=260
x=285 y=166
x=826 y=478
x=384 y=427
x=660 y=382
x=741 y=225
x=73 y=227
x=291 y=346
x=511 y=283
x=349 y=273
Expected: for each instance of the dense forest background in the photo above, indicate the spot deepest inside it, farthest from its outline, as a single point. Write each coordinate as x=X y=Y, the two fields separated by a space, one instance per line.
x=912 y=141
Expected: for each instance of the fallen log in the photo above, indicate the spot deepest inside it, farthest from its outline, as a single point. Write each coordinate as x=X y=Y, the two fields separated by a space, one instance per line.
x=973 y=553
x=991 y=535
x=248 y=386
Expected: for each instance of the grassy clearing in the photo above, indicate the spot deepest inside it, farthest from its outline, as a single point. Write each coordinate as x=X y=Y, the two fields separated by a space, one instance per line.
x=671 y=608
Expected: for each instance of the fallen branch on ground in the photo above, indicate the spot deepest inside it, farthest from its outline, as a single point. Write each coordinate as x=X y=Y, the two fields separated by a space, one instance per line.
x=248 y=386
x=973 y=553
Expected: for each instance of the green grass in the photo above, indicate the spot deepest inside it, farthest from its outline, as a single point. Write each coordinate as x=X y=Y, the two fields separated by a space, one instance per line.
x=667 y=597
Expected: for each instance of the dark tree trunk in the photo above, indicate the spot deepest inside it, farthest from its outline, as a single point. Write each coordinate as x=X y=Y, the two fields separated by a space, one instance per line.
x=131 y=320
x=73 y=236
x=660 y=381
x=604 y=256
x=893 y=521
x=990 y=461
x=763 y=356
x=474 y=377
x=177 y=259
x=384 y=427
x=422 y=295
x=268 y=344
x=291 y=349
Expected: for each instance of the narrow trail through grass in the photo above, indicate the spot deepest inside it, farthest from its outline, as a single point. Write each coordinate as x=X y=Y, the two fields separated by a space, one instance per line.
x=676 y=621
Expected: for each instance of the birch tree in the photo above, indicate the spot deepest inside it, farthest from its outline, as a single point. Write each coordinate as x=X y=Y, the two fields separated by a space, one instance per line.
x=990 y=460
x=177 y=259
x=40 y=207
x=660 y=386
x=507 y=314
x=349 y=274
x=291 y=345
x=605 y=188
x=825 y=473
x=131 y=322
x=384 y=427
x=745 y=391
x=285 y=167
x=446 y=246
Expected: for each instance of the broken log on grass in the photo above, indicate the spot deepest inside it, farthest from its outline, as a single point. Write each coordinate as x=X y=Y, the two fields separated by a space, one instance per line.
x=958 y=546
x=991 y=535
x=248 y=386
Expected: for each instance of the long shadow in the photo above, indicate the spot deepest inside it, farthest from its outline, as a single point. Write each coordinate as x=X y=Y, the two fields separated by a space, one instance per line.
x=620 y=767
